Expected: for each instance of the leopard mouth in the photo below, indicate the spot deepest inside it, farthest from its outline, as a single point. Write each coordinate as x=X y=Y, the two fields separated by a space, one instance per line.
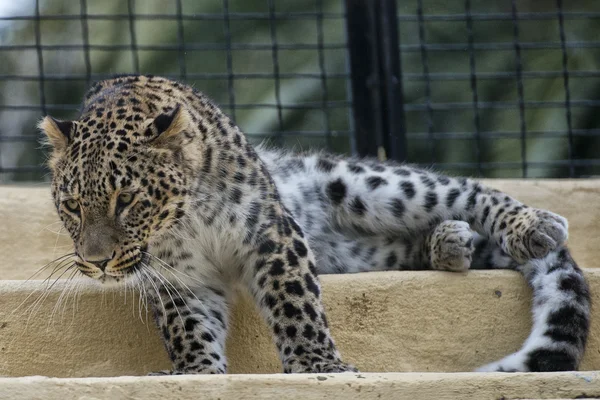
x=124 y=277
x=125 y=271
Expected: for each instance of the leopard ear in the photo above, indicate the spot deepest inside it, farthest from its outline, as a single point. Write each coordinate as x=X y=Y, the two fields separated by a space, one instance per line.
x=169 y=129
x=57 y=132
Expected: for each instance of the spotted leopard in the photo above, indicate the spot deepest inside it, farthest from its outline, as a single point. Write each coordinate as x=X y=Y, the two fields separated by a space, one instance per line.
x=155 y=184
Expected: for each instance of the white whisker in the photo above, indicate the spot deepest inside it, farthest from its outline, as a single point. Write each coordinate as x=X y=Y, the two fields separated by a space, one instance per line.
x=164 y=282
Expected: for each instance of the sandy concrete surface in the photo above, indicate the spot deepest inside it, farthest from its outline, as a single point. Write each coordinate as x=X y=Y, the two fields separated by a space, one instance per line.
x=390 y=386
x=382 y=322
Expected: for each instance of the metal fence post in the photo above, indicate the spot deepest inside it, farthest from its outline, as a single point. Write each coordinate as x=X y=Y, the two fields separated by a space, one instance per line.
x=375 y=69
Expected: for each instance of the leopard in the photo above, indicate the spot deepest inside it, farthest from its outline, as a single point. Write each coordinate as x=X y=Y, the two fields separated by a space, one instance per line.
x=156 y=185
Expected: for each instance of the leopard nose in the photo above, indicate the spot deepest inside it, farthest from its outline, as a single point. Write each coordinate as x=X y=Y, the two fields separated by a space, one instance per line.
x=100 y=264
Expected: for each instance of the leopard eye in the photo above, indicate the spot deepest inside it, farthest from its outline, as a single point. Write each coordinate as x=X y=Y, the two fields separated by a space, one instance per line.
x=124 y=200
x=72 y=205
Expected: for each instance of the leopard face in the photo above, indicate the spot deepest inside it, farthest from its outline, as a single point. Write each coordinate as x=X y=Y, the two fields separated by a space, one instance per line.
x=119 y=182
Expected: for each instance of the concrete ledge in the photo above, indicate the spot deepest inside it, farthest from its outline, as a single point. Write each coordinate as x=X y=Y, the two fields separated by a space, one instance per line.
x=382 y=322
x=28 y=237
x=281 y=387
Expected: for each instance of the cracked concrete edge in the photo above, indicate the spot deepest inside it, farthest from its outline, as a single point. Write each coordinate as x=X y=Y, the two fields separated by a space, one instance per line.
x=393 y=386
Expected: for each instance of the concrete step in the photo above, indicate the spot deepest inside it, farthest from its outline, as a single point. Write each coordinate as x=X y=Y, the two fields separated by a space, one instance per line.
x=433 y=326
x=390 y=386
x=29 y=226
x=381 y=321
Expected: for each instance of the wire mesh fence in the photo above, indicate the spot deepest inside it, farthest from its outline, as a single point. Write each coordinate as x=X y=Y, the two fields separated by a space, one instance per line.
x=498 y=89
x=515 y=82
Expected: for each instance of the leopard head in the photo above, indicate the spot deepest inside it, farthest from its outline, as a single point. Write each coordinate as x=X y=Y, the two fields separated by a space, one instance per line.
x=120 y=181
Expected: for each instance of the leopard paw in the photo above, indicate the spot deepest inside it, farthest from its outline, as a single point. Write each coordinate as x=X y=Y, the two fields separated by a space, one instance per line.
x=335 y=368
x=188 y=371
x=163 y=373
x=306 y=367
x=533 y=233
x=451 y=246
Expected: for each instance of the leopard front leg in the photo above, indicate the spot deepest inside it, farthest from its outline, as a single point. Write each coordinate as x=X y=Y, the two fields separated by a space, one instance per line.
x=522 y=232
x=529 y=233
x=283 y=280
x=372 y=199
x=193 y=326
x=449 y=247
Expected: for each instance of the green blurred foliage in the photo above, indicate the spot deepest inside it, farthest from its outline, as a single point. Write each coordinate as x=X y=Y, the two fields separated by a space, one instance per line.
x=206 y=35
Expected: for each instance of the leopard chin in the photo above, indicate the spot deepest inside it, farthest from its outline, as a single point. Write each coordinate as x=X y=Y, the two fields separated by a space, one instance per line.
x=124 y=278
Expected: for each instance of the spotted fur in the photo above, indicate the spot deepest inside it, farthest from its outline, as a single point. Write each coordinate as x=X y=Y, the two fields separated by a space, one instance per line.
x=156 y=185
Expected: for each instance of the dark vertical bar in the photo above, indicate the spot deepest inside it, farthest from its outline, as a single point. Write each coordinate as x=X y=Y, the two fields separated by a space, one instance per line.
x=377 y=103
x=565 y=70
x=389 y=51
x=134 y=50
x=364 y=73
x=324 y=89
x=473 y=73
x=373 y=81
x=181 y=41
x=425 y=65
x=229 y=55
x=350 y=115
x=40 y=57
x=275 y=58
x=520 y=91
x=85 y=35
